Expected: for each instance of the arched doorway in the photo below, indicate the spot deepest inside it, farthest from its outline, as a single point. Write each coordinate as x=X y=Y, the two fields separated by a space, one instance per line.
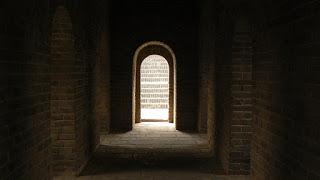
x=152 y=52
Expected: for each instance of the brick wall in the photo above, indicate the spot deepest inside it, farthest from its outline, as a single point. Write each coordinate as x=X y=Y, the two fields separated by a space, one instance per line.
x=207 y=109
x=204 y=26
x=241 y=94
x=33 y=71
x=234 y=88
x=286 y=97
x=70 y=99
x=24 y=91
x=81 y=108
x=98 y=48
x=223 y=87
x=63 y=93
x=101 y=85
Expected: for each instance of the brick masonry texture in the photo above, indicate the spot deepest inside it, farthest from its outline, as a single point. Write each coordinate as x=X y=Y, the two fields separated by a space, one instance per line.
x=154 y=71
x=28 y=147
x=247 y=72
x=206 y=112
x=101 y=86
x=63 y=113
x=234 y=101
x=286 y=95
x=100 y=81
x=69 y=97
x=24 y=92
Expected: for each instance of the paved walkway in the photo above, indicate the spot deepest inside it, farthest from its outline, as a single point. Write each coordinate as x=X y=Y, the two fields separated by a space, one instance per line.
x=154 y=137
x=151 y=140
x=155 y=175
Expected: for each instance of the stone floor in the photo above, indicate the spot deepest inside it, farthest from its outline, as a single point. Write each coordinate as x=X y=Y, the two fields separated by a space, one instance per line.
x=154 y=137
x=155 y=175
x=135 y=155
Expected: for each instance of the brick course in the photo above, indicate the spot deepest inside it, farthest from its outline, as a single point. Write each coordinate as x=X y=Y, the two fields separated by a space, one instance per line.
x=234 y=88
x=63 y=93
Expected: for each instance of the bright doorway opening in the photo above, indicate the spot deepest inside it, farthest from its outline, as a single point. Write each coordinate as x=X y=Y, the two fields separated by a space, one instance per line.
x=154 y=89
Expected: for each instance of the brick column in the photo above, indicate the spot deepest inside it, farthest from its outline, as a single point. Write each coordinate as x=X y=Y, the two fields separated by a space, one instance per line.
x=241 y=99
x=63 y=93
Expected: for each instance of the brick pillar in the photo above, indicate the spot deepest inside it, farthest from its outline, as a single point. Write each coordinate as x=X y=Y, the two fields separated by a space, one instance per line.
x=241 y=100
x=234 y=96
x=63 y=93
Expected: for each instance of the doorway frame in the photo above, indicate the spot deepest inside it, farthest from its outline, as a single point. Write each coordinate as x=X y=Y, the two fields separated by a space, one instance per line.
x=145 y=50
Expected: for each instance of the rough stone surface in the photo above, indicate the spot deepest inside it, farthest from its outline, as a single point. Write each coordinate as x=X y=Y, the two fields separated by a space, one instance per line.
x=154 y=140
x=155 y=175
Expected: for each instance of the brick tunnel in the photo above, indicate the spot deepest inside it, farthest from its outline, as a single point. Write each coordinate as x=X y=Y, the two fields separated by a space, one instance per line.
x=159 y=89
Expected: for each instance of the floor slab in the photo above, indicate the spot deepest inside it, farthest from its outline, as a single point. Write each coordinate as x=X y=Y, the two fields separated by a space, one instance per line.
x=151 y=140
x=154 y=139
x=154 y=175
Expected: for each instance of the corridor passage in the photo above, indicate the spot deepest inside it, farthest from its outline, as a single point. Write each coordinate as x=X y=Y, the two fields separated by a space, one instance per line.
x=160 y=90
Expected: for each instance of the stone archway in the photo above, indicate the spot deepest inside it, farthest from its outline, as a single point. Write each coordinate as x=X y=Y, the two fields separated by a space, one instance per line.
x=145 y=50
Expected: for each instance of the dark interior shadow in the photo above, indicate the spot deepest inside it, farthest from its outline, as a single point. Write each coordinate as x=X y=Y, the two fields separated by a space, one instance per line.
x=196 y=165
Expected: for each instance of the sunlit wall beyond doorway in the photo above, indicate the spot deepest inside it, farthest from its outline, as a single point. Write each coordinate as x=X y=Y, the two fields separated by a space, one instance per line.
x=154 y=91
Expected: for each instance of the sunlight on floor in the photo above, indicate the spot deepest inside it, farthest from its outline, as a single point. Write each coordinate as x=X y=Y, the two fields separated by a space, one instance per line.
x=160 y=114
x=154 y=125
x=161 y=135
